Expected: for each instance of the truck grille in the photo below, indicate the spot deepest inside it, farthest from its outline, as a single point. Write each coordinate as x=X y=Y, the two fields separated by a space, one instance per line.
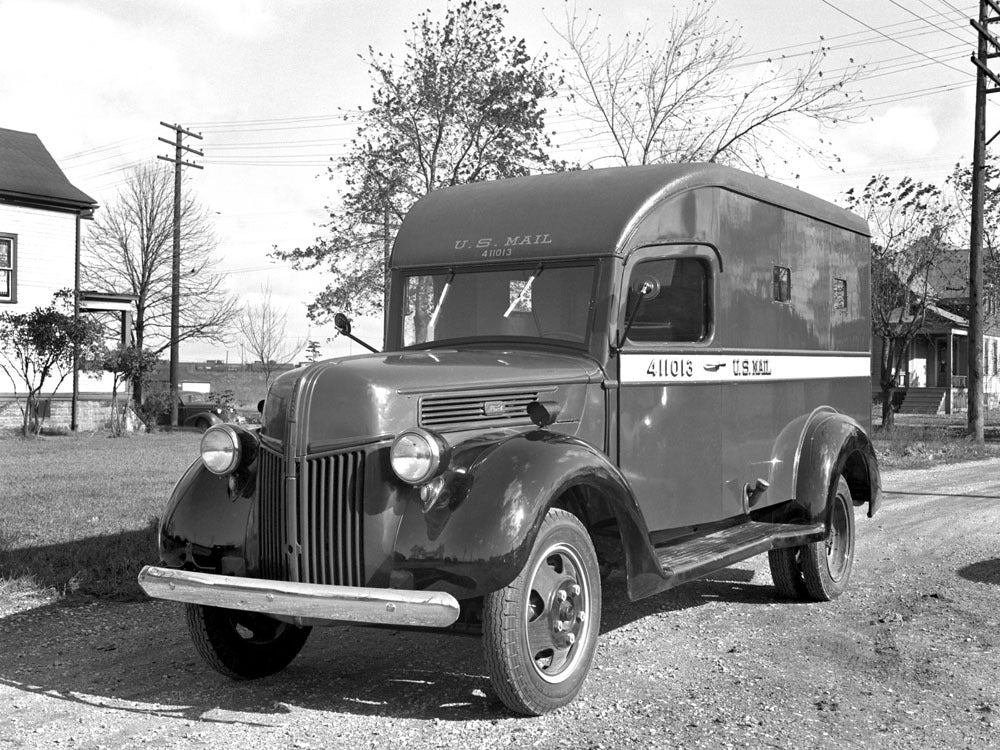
x=316 y=537
x=469 y=409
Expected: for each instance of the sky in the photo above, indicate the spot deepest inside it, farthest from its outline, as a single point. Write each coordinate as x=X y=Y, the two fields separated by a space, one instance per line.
x=267 y=83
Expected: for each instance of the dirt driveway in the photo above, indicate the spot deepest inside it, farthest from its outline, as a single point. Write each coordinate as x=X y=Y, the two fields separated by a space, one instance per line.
x=909 y=657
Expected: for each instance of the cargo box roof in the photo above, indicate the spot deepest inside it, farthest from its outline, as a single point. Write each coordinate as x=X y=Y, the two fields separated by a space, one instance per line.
x=572 y=214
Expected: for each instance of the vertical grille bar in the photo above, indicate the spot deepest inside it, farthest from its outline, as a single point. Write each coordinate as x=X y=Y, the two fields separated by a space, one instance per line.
x=357 y=514
x=330 y=509
x=272 y=531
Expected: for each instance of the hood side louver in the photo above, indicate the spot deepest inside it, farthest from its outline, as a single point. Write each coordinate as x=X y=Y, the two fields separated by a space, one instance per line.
x=474 y=408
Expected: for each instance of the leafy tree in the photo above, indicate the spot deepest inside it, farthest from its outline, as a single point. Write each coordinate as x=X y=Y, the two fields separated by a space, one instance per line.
x=36 y=349
x=127 y=364
x=909 y=222
x=313 y=352
x=682 y=93
x=129 y=250
x=263 y=328
x=463 y=105
x=959 y=192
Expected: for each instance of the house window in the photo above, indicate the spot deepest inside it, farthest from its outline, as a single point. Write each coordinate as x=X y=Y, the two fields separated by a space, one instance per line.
x=993 y=357
x=782 y=284
x=8 y=268
x=840 y=294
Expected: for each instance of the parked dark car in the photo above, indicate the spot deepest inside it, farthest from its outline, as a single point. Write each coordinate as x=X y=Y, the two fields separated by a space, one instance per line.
x=200 y=414
x=666 y=366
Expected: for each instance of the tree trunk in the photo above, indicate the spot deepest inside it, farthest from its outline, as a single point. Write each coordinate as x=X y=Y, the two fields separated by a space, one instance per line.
x=887 y=383
x=888 y=413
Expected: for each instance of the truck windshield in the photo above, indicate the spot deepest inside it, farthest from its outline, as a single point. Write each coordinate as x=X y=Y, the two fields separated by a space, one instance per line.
x=551 y=302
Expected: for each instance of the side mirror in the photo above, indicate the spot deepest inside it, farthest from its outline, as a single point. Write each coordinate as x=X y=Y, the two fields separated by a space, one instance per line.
x=647 y=288
x=342 y=323
x=641 y=289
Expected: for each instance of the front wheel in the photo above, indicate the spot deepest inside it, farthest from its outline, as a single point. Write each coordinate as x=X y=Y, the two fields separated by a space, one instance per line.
x=243 y=645
x=540 y=631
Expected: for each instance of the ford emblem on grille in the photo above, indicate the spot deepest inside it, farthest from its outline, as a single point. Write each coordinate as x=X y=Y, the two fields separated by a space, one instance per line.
x=494 y=408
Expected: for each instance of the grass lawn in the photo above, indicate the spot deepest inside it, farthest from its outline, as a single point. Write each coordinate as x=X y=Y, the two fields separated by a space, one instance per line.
x=78 y=513
x=918 y=441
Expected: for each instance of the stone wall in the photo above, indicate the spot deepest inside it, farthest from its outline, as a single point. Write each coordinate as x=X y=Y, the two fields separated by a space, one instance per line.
x=92 y=413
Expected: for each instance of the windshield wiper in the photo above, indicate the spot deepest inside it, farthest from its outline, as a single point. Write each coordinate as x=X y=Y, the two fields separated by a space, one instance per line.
x=524 y=292
x=437 y=307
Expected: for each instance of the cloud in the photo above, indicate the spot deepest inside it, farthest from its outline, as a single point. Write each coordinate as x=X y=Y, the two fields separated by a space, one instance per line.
x=899 y=133
x=246 y=19
x=67 y=66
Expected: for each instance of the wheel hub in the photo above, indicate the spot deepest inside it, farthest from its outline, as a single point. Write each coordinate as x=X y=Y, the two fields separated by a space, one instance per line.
x=557 y=619
x=567 y=614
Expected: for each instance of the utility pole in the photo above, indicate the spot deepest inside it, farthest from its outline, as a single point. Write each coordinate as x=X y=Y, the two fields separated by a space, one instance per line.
x=175 y=279
x=987 y=49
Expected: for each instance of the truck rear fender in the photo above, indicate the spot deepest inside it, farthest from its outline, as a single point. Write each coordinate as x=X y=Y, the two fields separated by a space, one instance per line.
x=812 y=451
x=479 y=540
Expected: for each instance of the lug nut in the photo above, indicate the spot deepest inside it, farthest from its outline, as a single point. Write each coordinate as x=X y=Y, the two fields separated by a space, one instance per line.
x=575 y=588
x=581 y=616
x=560 y=627
x=561 y=595
x=570 y=639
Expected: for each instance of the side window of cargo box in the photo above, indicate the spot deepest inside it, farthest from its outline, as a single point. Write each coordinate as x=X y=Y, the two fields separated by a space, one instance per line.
x=678 y=307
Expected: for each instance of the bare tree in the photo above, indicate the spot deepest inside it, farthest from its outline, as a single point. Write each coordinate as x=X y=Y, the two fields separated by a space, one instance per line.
x=909 y=223
x=263 y=328
x=129 y=250
x=689 y=98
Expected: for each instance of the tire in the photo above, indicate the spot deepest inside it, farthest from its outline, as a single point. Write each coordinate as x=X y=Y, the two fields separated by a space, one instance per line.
x=786 y=572
x=540 y=632
x=202 y=424
x=243 y=645
x=827 y=564
x=821 y=570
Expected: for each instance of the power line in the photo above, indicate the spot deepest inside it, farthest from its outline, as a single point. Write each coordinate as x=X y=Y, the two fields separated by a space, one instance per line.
x=928 y=21
x=891 y=39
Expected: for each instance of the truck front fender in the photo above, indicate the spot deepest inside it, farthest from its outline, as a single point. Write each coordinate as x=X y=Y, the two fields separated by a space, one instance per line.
x=203 y=528
x=480 y=539
x=811 y=453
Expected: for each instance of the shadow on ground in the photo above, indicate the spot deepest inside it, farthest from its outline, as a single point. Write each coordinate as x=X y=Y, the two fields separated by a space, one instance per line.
x=137 y=657
x=984 y=571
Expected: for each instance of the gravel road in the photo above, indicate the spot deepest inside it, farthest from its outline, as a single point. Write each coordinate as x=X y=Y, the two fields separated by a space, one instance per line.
x=909 y=657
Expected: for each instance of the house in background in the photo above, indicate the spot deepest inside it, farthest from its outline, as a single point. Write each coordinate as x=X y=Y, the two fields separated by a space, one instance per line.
x=40 y=224
x=936 y=377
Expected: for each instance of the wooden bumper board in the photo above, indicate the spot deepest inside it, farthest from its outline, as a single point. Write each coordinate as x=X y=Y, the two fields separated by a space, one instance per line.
x=431 y=609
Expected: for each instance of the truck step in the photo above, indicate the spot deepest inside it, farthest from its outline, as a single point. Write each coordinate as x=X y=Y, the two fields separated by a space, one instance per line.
x=695 y=557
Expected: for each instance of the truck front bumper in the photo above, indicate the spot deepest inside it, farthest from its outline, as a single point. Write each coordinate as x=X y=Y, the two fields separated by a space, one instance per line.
x=310 y=601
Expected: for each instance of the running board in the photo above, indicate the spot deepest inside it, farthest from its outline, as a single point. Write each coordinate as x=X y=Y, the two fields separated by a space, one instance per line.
x=698 y=556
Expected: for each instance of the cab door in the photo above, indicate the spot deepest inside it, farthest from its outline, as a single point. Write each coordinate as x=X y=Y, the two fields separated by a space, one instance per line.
x=669 y=420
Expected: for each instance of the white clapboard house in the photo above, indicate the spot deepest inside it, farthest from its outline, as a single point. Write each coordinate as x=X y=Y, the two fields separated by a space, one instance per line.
x=41 y=214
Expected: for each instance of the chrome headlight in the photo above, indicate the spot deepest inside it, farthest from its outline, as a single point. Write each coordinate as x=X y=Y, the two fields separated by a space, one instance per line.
x=417 y=455
x=220 y=449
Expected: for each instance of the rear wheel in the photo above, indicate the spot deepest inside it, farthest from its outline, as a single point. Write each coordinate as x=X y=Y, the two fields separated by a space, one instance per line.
x=826 y=565
x=243 y=645
x=786 y=572
x=540 y=632
x=821 y=570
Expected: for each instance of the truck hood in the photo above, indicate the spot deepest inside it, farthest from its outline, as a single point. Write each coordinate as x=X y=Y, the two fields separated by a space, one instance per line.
x=370 y=397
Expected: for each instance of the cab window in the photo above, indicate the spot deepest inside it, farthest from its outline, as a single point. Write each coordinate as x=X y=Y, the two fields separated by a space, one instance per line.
x=670 y=299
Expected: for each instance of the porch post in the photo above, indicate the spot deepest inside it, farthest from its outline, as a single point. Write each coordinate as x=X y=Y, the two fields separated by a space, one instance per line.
x=947 y=372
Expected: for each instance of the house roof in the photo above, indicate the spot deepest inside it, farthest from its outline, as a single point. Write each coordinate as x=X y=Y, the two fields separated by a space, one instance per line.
x=949 y=275
x=29 y=174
